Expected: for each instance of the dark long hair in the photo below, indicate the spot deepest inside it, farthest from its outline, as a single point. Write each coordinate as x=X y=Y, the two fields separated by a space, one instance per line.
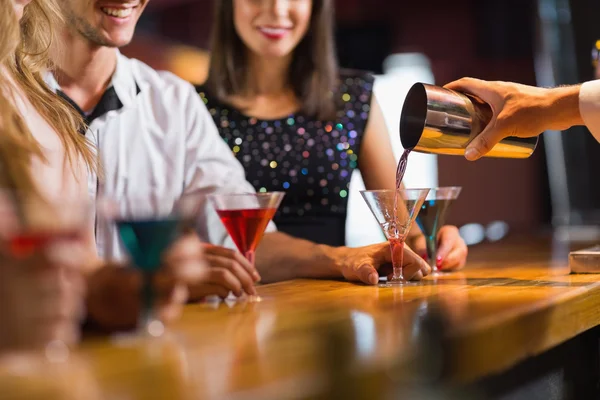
x=313 y=72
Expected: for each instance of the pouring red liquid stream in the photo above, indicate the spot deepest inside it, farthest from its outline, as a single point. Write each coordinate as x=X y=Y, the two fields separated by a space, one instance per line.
x=397 y=242
x=402 y=167
x=399 y=177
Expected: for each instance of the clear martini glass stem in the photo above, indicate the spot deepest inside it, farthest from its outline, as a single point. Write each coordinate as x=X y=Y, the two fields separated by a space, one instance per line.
x=431 y=243
x=397 y=249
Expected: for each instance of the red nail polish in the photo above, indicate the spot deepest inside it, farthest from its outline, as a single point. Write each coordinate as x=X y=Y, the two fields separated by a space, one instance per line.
x=439 y=262
x=424 y=256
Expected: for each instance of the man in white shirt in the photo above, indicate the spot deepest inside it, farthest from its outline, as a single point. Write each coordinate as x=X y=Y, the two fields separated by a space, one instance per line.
x=156 y=137
x=526 y=111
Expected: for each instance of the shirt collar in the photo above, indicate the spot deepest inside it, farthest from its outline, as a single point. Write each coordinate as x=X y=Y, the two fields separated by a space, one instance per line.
x=123 y=81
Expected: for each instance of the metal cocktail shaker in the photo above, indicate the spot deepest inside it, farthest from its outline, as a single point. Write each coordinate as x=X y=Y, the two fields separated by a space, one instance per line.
x=442 y=121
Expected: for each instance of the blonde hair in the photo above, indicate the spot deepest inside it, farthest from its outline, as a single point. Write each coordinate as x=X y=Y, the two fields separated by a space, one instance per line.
x=16 y=144
x=27 y=59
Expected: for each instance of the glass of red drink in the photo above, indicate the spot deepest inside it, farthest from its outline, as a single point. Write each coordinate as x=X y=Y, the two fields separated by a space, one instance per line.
x=395 y=211
x=246 y=216
x=29 y=225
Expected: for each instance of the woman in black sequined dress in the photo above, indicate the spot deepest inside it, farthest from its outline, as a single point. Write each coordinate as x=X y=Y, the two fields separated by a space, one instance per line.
x=296 y=122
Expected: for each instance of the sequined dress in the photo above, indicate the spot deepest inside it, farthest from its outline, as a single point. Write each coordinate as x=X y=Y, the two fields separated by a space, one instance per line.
x=309 y=159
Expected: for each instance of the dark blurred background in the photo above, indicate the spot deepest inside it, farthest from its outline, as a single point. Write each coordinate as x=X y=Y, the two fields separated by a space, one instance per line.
x=544 y=42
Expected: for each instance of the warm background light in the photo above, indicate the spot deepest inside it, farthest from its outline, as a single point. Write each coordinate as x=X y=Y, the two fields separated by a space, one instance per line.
x=187 y=62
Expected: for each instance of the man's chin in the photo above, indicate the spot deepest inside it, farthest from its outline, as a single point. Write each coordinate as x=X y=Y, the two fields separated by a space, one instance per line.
x=116 y=41
x=118 y=45
x=102 y=37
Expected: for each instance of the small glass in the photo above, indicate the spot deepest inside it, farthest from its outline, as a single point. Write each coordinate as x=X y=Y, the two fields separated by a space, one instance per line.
x=147 y=226
x=395 y=211
x=29 y=224
x=246 y=216
x=433 y=216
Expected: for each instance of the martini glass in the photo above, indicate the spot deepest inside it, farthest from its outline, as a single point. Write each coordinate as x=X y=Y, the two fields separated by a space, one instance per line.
x=432 y=217
x=395 y=211
x=147 y=226
x=246 y=216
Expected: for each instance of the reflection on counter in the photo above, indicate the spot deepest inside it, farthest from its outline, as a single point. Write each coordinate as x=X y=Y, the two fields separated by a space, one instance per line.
x=33 y=377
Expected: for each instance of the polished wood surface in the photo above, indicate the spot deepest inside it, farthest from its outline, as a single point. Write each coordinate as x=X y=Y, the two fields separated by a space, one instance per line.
x=515 y=299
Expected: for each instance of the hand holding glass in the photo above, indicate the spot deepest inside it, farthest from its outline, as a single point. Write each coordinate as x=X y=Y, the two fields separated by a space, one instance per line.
x=395 y=211
x=246 y=217
x=43 y=256
x=147 y=226
x=433 y=216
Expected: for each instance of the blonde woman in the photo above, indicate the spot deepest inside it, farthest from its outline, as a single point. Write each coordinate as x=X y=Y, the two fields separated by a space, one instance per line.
x=45 y=160
x=40 y=294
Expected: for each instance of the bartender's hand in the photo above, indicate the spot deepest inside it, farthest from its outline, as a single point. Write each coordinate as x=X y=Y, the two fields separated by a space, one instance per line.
x=114 y=298
x=519 y=110
x=451 y=252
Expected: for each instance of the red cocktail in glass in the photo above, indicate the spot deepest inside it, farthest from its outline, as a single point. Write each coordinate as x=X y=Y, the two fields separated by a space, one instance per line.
x=246 y=216
x=246 y=227
x=395 y=211
x=25 y=243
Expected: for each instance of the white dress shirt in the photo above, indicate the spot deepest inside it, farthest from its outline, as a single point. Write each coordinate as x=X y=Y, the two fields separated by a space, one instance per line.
x=589 y=106
x=162 y=143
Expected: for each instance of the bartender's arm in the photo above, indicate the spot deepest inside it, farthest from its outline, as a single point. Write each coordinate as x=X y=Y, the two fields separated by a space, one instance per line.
x=526 y=111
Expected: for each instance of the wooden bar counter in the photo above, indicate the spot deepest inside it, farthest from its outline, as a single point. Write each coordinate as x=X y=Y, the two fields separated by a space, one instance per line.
x=515 y=302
